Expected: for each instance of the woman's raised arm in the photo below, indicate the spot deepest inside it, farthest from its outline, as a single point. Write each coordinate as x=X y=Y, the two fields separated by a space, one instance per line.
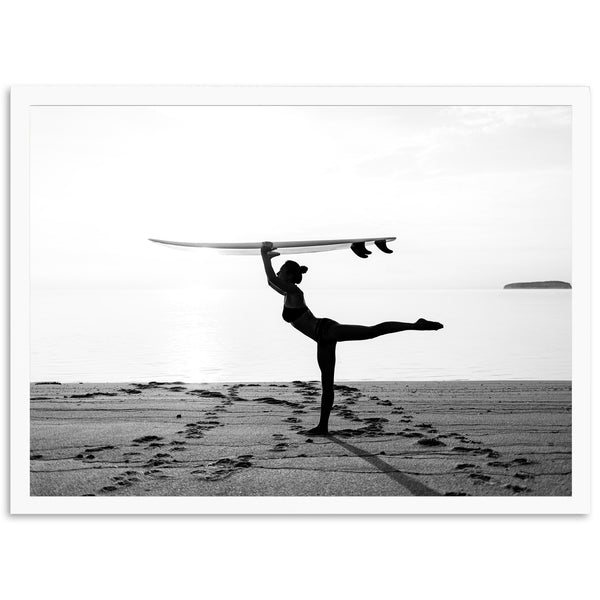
x=277 y=284
x=267 y=254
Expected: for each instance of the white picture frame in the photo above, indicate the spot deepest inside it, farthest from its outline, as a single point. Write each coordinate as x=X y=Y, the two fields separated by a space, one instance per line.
x=23 y=98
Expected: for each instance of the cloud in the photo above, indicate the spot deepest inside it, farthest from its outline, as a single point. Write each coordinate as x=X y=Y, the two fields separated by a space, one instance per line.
x=461 y=140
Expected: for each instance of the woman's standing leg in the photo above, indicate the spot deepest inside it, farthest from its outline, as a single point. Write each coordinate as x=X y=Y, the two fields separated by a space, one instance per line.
x=326 y=360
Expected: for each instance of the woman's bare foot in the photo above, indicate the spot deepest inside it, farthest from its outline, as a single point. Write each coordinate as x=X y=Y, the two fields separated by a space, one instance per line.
x=317 y=431
x=425 y=325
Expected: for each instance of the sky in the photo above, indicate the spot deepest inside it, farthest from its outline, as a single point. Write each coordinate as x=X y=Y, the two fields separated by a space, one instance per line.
x=477 y=196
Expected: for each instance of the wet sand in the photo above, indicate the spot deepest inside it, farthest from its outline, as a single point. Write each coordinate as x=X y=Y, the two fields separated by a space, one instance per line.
x=500 y=438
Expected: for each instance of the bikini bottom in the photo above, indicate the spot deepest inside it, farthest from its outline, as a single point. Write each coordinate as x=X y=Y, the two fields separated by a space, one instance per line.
x=322 y=328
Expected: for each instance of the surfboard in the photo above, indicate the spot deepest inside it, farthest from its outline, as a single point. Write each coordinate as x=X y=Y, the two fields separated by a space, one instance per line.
x=357 y=245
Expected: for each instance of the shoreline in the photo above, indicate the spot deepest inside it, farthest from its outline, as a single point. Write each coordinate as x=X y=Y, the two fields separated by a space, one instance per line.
x=287 y=381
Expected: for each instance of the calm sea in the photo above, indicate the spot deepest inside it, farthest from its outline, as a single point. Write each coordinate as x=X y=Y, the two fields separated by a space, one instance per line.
x=229 y=335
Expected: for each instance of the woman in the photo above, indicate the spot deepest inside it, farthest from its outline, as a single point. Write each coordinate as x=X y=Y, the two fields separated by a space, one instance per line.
x=326 y=332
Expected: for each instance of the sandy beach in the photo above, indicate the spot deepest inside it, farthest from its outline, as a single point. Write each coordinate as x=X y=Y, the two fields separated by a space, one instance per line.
x=495 y=438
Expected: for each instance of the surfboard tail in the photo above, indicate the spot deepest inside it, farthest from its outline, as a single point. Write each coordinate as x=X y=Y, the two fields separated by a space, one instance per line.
x=382 y=245
x=360 y=249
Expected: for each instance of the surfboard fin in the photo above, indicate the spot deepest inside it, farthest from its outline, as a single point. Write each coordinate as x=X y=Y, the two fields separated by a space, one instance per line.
x=360 y=249
x=381 y=244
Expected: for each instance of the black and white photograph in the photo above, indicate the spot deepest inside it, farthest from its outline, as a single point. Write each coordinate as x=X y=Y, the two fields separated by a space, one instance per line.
x=300 y=299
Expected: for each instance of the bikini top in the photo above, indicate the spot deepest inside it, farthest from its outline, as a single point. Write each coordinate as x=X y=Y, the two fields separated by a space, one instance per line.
x=291 y=314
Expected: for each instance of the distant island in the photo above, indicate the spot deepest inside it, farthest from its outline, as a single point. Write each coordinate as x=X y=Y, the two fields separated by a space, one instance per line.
x=540 y=285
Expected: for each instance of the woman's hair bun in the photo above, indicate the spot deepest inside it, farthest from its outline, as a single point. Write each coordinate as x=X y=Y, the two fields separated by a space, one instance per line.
x=303 y=269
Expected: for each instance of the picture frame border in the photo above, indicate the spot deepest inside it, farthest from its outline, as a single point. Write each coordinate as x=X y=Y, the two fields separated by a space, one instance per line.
x=24 y=98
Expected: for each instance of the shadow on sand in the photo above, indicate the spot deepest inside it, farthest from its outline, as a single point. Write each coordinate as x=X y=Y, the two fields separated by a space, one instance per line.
x=415 y=487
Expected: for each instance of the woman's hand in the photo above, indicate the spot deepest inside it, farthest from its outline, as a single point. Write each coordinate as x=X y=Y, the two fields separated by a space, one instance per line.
x=267 y=250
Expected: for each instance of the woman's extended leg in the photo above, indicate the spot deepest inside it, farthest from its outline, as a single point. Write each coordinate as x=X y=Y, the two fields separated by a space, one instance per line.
x=346 y=333
x=326 y=360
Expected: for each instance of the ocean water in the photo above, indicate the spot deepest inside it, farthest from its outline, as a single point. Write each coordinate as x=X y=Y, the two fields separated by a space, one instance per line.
x=196 y=335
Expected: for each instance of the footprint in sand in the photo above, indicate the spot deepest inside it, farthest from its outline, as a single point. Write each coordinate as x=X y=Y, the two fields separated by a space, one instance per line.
x=346 y=413
x=523 y=461
x=206 y=394
x=122 y=481
x=243 y=463
x=147 y=438
x=99 y=448
x=430 y=442
x=196 y=430
x=374 y=428
x=126 y=479
x=480 y=477
x=345 y=389
x=520 y=475
x=223 y=467
x=159 y=460
x=488 y=452
x=384 y=403
x=462 y=449
x=466 y=440
x=516 y=488
x=281 y=447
